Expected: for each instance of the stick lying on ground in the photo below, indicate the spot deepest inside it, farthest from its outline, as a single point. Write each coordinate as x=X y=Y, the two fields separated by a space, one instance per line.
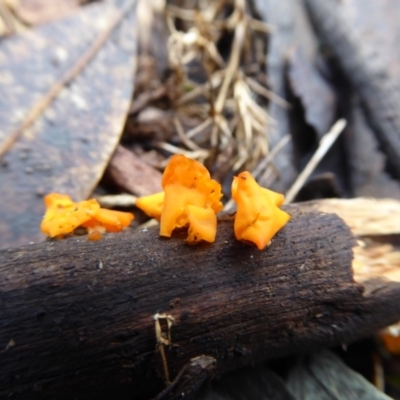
x=77 y=317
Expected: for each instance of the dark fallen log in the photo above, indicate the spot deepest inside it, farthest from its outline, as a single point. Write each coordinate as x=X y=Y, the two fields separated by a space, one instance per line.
x=77 y=317
x=366 y=67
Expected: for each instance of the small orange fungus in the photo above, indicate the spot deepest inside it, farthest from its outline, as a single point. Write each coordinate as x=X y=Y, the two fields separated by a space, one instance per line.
x=258 y=217
x=111 y=220
x=390 y=337
x=202 y=224
x=152 y=205
x=191 y=198
x=95 y=235
x=63 y=216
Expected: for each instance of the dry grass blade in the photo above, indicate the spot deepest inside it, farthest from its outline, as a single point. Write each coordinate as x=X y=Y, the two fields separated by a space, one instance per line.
x=268 y=94
x=262 y=165
x=325 y=144
x=232 y=66
x=117 y=200
x=10 y=22
x=170 y=148
x=199 y=128
x=261 y=26
x=214 y=88
x=185 y=140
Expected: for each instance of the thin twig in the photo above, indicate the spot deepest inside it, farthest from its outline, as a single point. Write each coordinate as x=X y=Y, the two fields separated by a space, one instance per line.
x=39 y=107
x=324 y=145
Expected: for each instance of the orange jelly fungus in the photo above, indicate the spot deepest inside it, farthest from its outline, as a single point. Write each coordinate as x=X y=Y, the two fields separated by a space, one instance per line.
x=258 y=217
x=63 y=216
x=390 y=336
x=112 y=221
x=191 y=199
x=95 y=235
x=152 y=205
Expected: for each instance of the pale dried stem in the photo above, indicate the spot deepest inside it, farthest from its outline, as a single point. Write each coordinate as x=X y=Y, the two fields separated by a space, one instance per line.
x=182 y=13
x=268 y=159
x=325 y=144
x=195 y=154
x=117 y=200
x=205 y=89
x=181 y=133
x=246 y=131
x=261 y=26
x=199 y=128
x=268 y=94
x=232 y=67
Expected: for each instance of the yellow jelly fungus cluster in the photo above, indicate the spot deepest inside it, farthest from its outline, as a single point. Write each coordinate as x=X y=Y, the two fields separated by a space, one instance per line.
x=191 y=198
x=63 y=216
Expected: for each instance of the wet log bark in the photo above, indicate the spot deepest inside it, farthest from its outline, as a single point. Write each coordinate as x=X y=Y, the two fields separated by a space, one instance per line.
x=77 y=316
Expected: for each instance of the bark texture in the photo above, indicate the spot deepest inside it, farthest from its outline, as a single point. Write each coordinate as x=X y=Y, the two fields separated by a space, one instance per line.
x=77 y=316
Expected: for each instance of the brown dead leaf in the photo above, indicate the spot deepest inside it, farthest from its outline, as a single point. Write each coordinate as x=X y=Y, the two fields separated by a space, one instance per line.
x=66 y=90
x=132 y=174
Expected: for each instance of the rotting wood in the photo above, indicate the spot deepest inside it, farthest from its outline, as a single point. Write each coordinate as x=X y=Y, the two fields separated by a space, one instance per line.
x=364 y=216
x=77 y=316
x=133 y=175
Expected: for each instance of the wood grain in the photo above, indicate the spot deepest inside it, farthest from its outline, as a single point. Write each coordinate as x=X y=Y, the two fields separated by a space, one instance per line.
x=77 y=316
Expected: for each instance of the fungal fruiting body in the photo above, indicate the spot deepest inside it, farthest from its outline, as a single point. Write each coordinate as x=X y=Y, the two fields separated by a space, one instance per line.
x=63 y=216
x=110 y=220
x=258 y=216
x=152 y=205
x=190 y=199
